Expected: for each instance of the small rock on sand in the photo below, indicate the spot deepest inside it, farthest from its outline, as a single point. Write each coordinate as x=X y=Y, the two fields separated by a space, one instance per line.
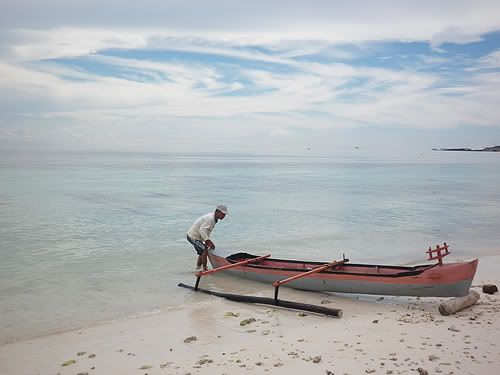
x=204 y=361
x=490 y=288
x=421 y=371
x=70 y=362
x=316 y=359
x=244 y=322
x=190 y=338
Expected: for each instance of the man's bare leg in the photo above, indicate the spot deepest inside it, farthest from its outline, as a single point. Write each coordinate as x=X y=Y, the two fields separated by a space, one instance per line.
x=204 y=257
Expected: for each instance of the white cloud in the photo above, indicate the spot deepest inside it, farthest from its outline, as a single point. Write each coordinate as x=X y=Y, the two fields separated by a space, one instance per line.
x=261 y=90
x=390 y=97
x=491 y=60
x=407 y=99
x=334 y=20
x=455 y=36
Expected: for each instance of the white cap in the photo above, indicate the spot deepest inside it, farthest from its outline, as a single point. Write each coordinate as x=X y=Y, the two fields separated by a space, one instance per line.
x=222 y=209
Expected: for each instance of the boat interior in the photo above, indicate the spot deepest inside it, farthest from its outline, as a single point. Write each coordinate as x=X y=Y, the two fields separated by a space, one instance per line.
x=343 y=268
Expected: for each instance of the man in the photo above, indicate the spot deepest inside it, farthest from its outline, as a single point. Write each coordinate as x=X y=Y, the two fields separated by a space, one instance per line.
x=199 y=234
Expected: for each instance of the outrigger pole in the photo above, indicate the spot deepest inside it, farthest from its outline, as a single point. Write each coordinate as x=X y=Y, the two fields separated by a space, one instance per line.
x=303 y=274
x=271 y=301
x=264 y=300
x=243 y=262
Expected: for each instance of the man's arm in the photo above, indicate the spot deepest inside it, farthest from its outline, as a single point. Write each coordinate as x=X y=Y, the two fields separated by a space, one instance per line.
x=204 y=231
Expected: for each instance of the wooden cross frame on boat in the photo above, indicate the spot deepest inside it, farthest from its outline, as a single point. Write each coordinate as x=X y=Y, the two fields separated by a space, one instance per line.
x=278 y=283
x=437 y=254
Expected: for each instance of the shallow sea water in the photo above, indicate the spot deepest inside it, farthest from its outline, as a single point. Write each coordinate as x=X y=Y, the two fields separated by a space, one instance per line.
x=90 y=237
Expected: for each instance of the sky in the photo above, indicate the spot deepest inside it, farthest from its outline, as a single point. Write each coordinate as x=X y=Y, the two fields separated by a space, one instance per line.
x=262 y=76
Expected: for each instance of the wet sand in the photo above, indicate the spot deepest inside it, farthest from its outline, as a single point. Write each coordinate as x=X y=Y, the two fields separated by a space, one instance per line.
x=376 y=335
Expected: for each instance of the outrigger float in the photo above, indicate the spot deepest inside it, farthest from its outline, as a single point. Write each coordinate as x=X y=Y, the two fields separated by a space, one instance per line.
x=430 y=280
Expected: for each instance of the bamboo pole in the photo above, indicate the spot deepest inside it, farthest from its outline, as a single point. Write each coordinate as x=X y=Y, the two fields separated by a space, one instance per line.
x=232 y=265
x=314 y=270
x=278 y=283
x=242 y=263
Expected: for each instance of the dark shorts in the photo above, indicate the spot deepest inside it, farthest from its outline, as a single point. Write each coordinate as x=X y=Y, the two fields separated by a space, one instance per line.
x=197 y=244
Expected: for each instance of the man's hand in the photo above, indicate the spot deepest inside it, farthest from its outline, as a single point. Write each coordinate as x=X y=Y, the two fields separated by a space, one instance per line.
x=209 y=245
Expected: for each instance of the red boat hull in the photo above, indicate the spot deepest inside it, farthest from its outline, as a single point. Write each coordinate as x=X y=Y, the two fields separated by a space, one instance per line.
x=446 y=280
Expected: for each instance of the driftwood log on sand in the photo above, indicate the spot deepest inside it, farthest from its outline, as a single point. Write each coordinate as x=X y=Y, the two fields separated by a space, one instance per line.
x=456 y=304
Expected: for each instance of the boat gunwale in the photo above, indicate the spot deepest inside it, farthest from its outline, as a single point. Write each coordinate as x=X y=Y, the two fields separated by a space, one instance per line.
x=410 y=270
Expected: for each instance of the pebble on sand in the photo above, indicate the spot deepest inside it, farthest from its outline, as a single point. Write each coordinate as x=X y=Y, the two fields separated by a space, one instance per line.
x=70 y=362
x=204 y=361
x=244 y=322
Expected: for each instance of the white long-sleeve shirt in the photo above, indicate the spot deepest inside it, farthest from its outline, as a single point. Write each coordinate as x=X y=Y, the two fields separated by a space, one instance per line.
x=202 y=227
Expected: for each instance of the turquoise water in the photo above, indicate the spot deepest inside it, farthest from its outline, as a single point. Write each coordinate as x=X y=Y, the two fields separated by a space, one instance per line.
x=89 y=237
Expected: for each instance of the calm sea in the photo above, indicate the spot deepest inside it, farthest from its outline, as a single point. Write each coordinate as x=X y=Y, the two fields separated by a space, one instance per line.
x=91 y=237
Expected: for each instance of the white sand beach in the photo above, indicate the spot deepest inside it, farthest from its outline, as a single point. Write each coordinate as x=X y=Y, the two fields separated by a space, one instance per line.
x=375 y=335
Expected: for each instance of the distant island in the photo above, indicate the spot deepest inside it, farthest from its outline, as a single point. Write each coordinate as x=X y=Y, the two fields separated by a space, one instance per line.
x=486 y=149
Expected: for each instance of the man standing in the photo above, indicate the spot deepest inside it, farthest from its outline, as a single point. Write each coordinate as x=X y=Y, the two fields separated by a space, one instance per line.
x=199 y=234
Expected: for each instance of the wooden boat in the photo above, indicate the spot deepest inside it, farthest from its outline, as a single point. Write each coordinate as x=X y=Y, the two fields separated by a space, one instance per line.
x=430 y=280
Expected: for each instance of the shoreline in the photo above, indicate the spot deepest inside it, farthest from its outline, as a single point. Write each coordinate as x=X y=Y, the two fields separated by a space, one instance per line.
x=220 y=283
x=379 y=335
